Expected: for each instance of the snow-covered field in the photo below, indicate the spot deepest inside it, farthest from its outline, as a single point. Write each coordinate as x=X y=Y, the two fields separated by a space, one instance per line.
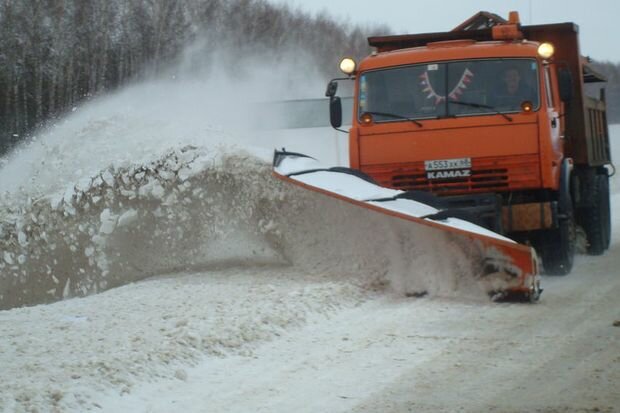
x=261 y=297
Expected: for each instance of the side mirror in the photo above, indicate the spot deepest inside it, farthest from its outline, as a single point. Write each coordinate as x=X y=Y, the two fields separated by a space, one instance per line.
x=565 y=83
x=332 y=88
x=335 y=112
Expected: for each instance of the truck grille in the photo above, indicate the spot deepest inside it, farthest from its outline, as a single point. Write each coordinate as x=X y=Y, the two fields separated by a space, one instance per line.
x=487 y=175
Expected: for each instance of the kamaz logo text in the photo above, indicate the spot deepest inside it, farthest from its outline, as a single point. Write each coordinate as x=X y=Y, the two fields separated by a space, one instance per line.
x=448 y=174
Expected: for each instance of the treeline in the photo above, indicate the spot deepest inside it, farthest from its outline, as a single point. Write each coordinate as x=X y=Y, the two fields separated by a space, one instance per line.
x=56 y=53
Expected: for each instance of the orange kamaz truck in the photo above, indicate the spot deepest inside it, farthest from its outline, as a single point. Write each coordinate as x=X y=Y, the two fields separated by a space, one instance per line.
x=492 y=118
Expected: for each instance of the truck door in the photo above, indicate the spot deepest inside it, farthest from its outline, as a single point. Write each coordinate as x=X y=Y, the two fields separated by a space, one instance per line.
x=551 y=173
x=552 y=109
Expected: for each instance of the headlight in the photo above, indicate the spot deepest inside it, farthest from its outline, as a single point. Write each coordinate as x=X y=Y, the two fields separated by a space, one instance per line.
x=348 y=66
x=545 y=50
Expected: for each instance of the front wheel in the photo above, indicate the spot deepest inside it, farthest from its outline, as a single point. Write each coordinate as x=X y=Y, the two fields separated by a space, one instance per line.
x=558 y=252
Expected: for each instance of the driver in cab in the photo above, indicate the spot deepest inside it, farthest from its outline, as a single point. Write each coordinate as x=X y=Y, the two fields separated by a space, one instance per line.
x=512 y=91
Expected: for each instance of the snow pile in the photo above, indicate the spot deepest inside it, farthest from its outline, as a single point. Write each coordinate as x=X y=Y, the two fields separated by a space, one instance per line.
x=194 y=209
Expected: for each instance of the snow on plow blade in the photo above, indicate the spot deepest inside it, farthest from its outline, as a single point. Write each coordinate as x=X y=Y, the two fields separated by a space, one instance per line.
x=508 y=270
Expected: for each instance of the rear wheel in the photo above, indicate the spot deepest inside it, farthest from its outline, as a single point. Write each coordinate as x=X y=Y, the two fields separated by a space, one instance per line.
x=597 y=217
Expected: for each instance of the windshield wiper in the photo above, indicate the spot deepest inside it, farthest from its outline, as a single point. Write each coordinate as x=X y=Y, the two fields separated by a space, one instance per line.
x=395 y=116
x=480 y=105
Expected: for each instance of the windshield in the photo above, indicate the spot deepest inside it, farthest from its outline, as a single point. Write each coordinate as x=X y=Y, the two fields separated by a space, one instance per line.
x=436 y=90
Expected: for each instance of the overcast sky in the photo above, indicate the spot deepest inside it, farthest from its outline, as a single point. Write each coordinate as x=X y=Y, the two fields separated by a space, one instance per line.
x=597 y=19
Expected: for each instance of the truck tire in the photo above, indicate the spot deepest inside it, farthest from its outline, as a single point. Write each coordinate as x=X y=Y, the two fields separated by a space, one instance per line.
x=559 y=250
x=596 y=219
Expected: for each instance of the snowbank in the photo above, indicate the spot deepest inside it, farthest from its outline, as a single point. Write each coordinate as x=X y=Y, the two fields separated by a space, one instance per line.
x=194 y=209
x=60 y=357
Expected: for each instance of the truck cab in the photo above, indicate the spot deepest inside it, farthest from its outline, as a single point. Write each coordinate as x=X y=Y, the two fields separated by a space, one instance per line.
x=493 y=120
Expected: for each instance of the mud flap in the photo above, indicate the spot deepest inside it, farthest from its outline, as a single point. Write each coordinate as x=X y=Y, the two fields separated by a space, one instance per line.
x=508 y=270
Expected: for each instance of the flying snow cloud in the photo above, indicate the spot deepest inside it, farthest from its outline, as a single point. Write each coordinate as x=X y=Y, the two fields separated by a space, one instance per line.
x=209 y=98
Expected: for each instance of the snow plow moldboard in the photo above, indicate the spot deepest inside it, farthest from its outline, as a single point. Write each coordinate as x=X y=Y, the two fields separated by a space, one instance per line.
x=507 y=271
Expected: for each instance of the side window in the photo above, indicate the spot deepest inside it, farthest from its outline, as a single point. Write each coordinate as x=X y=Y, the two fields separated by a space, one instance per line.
x=548 y=90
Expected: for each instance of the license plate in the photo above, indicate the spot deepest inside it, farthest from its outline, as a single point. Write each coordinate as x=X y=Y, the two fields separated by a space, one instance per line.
x=446 y=164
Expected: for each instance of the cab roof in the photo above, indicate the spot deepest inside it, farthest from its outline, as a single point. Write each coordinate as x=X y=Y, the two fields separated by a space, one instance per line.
x=451 y=50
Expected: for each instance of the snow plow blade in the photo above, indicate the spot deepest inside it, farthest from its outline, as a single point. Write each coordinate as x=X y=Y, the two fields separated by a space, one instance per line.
x=508 y=270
